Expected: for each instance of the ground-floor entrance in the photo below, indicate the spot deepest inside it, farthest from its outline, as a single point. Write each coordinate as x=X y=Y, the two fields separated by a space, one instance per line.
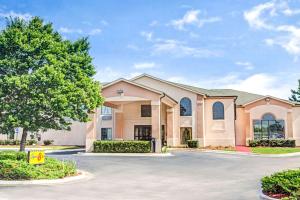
x=142 y=132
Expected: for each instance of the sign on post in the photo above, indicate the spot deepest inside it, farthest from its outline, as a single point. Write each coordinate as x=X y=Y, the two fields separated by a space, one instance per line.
x=36 y=157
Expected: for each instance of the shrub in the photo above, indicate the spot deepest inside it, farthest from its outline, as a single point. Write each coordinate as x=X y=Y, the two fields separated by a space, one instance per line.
x=286 y=182
x=31 y=142
x=121 y=146
x=48 y=142
x=272 y=143
x=192 y=143
x=12 y=167
x=16 y=142
x=13 y=155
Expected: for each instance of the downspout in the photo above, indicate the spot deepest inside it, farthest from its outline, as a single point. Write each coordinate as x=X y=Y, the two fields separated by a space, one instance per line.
x=235 y=118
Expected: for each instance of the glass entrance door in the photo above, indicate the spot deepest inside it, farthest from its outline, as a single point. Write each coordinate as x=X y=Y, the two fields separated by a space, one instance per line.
x=142 y=132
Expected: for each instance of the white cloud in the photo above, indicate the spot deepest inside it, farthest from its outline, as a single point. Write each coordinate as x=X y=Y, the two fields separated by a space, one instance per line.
x=247 y=65
x=104 y=22
x=180 y=49
x=262 y=17
x=107 y=74
x=133 y=47
x=24 y=16
x=69 y=30
x=145 y=65
x=147 y=35
x=95 y=31
x=254 y=16
x=153 y=23
x=191 y=17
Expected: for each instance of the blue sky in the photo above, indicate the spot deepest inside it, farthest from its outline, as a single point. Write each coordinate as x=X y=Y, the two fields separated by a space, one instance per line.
x=239 y=44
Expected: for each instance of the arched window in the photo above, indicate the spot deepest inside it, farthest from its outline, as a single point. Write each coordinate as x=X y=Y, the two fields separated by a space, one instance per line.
x=185 y=107
x=268 y=116
x=218 y=110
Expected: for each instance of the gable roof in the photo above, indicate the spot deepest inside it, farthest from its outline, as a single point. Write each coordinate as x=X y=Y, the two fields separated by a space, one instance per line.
x=242 y=98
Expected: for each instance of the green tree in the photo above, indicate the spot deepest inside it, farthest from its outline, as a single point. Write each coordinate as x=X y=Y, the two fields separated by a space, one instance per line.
x=46 y=82
x=296 y=94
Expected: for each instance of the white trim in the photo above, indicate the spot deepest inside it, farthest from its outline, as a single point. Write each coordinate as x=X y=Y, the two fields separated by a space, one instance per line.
x=132 y=83
x=271 y=97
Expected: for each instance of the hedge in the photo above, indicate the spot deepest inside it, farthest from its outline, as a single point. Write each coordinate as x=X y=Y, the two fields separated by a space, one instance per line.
x=106 y=146
x=17 y=142
x=272 y=143
x=286 y=182
x=192 y=143
x=14 y=166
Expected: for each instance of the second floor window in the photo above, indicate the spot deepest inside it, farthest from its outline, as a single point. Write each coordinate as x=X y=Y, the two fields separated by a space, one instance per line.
x=106 y=113
x=145 y=110
x=218 y=110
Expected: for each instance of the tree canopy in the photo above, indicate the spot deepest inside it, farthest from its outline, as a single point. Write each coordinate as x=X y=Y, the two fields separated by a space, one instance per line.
x=296 y=94
x=46 y=82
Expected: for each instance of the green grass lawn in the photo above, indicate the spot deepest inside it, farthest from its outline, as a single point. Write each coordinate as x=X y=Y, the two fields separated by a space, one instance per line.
x=274 y=150
x=50 y=147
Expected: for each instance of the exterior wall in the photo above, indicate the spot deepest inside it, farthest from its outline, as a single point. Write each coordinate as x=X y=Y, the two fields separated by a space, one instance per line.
x=177 y=94
x=281 y=111
x=220 y=132
x=132 y=116
x=241 y=126
x=63 y=137
x=104 y=124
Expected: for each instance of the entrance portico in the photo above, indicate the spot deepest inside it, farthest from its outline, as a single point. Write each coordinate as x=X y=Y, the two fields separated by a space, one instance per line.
x=137 y=110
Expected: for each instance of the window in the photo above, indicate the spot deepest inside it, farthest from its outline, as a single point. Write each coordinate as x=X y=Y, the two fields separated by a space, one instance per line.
x=185 y=107
x=106 y=110
x=106 y=134
x=268 y=128
x=218 y=110
x=106 y=113
x=142 y=132
x=268 y=116
x=145 y=110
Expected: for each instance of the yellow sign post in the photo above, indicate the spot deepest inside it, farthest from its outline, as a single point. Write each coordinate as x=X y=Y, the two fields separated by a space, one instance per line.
x=36 y=157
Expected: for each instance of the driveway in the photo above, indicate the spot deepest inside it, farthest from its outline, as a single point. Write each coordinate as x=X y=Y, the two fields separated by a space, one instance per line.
x=187 y=175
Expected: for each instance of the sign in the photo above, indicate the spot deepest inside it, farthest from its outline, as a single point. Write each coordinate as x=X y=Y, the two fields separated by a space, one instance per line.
x=36 y=157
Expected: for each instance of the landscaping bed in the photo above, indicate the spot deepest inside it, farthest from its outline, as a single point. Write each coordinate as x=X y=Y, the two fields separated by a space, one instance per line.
x=221 y=148
x=106 y=146
x=44 y=147
x=282 y=185
x=14 y=166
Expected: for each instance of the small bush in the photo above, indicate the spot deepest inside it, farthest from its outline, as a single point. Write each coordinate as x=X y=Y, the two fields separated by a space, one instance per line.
x=48 y=142
x=31 y=142
x=192 y=143
x=272 y=143
x=286 y=182
x=12 y=155
x=13 y=166
x=106 y=146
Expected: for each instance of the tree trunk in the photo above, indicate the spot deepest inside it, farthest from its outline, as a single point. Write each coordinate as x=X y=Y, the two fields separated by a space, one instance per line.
x=23 y=140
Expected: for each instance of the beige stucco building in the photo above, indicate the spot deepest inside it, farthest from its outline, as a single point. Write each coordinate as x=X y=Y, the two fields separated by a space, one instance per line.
x=147 y=107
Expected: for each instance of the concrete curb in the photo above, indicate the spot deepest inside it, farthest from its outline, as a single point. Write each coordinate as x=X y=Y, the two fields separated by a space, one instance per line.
x=265 y=197
x=253 y=154
x=46 y=150
x=127 y=154
x=83 y=175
